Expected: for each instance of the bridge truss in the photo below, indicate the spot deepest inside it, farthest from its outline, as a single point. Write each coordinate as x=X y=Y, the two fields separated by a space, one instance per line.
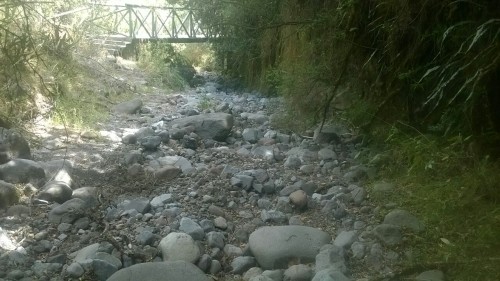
x=176 y=25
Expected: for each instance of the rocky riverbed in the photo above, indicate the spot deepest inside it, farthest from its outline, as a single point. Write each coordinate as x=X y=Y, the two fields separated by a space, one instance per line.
x=197 y=185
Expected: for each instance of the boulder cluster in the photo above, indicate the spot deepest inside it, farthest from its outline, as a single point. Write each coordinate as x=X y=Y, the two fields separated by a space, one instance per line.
x=221 y=193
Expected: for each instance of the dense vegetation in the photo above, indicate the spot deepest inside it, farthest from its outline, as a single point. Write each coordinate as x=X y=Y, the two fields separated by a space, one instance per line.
x=420 y=79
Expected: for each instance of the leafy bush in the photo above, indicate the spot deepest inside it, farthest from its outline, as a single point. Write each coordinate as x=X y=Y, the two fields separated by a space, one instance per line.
x=163 y=64
x=199 y=55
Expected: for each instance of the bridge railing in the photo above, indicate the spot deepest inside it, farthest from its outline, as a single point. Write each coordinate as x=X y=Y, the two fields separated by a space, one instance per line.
x=143 y=22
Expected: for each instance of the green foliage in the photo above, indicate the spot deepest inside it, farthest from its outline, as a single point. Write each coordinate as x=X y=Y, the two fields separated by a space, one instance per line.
x=199 y=55
x=159 y=60
x=455 y=192
x=206 y=102
x=28 y=42
x=78 y=112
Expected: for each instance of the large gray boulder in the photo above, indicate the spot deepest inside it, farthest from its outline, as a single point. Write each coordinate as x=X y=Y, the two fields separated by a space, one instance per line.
x=403 y=218
x=129 y=107
x=8 y=194
x=275 y=246
x=160 y=271
x=13 y=145
x=68 y=212
x=215 y=126
x=179 y=246
x=59 y=170
x=22 y=171
x=56 y=191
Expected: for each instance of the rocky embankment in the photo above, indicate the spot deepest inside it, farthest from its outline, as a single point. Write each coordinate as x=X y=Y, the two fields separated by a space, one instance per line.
x=197 y=186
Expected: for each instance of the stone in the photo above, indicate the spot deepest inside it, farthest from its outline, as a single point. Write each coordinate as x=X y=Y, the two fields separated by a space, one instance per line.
x=273 y=216
x=56 y=191
x=141 y=205
x=308 y=169
x=150 y=143
x=242 y=181
x=204 y=262
x=16 y=210
x=275 y=246
x=298 y=272
x=215 y=240
x=85 y=253
x=229 y=171
x=176 y=161
x=146 y=237
x=87 y=194
x=232 y=251
x=265 y=151
x=8 y=194
x=75 y=270
x=331 y=256
x=68 y=212
x=192 y=228
x=295 y=220
x=403 y=218
x=15 y=274
x=103 y=269
x=82 y=223
x=215 y=267
x=327 y=154
x=132 y=157
x=275 y=275
x=22 y=171
x=330 y=274
x=216 y=211
x=258 y=118
x=179 y=246
x=358 y=194
x=64 y=227
x=328 y=134
x=292 y=162
x=430 y=275
x=59 y=170
x=160 y=271
x=250 y=135
x=46 y=269
x=13 y=145
x=220 y=223
x=207 y=225
x=168 y=172
x=345 y=239
x=160 y=200
x=358 y=250
x=42 y=246
x=129 y=107
x=283 y=205
x=299 y=199
x=190 y=143
x=242 y=263
x=305 y=155
x=129 y=139
x=251 y=273
x=262 y=278
x=264 y=203
x=289 y=190
x=215 y=126
x=389 y=234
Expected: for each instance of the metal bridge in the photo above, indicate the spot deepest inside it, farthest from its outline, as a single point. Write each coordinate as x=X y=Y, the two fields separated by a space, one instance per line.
x=176 y=25
x=172 y=24
x=115 y=26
